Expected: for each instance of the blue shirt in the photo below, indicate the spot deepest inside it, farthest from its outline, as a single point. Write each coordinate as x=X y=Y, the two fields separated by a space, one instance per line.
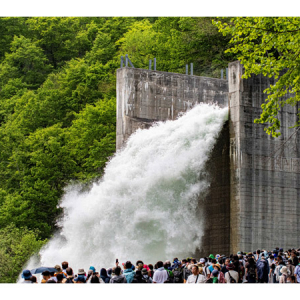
x=297 y=272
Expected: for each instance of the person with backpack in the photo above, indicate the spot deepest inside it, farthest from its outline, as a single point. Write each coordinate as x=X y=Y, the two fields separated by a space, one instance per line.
x=167 y=266
x=284 y=275
x=70 y=276
x=263 y=270
x=251 y=271
x=277 y=272
x=104 y=276
x=146 y=277
x=178 y=272
x=231 y=276
x=195 y=277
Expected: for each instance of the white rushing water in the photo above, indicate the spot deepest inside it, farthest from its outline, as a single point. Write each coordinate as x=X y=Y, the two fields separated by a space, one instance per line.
x=145 y=205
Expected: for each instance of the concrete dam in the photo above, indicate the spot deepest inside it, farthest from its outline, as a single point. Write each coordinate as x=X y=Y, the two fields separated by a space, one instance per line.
x=253 y=198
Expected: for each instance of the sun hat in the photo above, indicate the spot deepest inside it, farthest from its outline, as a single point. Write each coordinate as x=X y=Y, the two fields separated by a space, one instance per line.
x=26 y=274
x=211 y=256
x=230 y=267
x=144 y=271
x=239 y=253
x=58 y=268
x=284 y=270
x=202 y=260
x=81 y=272
x=218 y=256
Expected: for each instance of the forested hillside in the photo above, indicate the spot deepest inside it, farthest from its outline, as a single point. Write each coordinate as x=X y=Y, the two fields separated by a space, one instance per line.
x=58 y=107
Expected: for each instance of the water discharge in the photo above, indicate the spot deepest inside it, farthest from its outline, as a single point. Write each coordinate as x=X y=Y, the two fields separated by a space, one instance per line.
x=146 y=205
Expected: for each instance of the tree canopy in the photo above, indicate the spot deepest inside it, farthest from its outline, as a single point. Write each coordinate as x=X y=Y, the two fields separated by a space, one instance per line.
x=58 y=107
x=268 y=46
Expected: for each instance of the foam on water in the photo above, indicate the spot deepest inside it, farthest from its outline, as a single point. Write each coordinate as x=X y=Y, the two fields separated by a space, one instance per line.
x=145 y=205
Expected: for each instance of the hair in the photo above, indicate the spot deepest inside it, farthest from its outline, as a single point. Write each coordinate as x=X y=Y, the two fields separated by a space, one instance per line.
x=200 y=270
x=150 y=267
x=235 y=257
x=52 y=274
x=194 y=260
x=128 y=265
x=258 y=251
x=184 y=261
x=159 y=264
x=51 y=281
x=69 y=271
x=139 y=262
x=271 y=256
x=32 y=279
x=214 y=261
x=95 y=279
x=195 y=266
x=65 y=264
x=103 y=272
x=117 y=271
x=59 y=277
x=251 y=260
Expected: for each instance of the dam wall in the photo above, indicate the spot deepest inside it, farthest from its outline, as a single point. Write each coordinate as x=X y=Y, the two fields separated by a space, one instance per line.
x=254 y=197
x=264 y=171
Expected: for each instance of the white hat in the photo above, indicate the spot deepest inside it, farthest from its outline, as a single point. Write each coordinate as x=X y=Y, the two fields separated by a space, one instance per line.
x=284 y=270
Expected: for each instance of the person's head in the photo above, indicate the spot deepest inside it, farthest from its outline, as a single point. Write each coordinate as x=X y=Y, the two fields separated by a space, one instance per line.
x=293 y=254
x=26 y=274
x=46 y=275
x=215 y=273
x=235 y=257
x=51 y=281
x=33 y=279
x=257 y=251
x=140 y=266
x=65 y=265
x=139 y=262
x=251 y=260
x=117 y=271
x=128 y=265
x=69 y=271
x=194 y=261
x=271 y=256
x=58 y=268
x=159 y=264
x=217 y=267
x=52 y=274
x=144 y=271
x=59 y=277
x=103 y=272
x=290 y=261
x=95 y=279
x=195 y=270
x=150 y=267
x=213 y=261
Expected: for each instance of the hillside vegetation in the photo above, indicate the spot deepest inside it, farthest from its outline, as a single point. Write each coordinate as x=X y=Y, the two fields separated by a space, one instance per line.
x=58 y=108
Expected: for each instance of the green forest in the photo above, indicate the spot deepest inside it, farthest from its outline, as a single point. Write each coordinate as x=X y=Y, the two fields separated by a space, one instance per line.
x=58 y=105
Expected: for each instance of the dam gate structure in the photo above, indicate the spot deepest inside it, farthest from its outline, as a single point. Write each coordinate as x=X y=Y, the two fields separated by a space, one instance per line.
x=253 y=201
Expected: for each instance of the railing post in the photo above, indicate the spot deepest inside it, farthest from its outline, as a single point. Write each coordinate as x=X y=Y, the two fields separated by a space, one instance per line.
x=126 y=60
x=222 y=76
x=187 y=69
x=226 y=73
x=191 y=68
x=154 y=64
x=150 y=64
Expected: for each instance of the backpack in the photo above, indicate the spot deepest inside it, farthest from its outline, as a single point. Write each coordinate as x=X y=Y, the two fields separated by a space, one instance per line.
x=187 y=273
x=232 y=280
x=209 y=280
x=178 y=276
x=170 y=278
x=251 y=271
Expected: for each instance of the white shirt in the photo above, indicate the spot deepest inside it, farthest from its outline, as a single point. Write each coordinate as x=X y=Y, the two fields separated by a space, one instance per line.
x=192 y=278
x=160 y=275
x=234 y=275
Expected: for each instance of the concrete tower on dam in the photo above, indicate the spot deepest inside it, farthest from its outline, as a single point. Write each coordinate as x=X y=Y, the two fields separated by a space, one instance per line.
x=254 y=197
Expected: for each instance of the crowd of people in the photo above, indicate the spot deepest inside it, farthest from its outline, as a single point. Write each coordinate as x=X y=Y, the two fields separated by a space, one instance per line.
x=259 y=266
